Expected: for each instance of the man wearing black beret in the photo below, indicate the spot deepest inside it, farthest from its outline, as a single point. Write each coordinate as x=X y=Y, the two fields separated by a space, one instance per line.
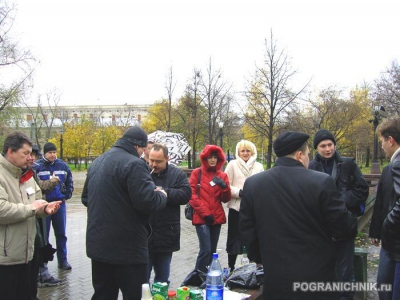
x=354 y=189
x=288 y=217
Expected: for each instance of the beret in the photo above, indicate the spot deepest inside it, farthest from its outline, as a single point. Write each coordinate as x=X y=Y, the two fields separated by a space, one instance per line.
x=288 y=142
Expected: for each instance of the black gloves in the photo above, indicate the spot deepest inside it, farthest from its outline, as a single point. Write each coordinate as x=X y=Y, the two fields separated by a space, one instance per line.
x=240 y=193
x=209 y=219
x=218 y=181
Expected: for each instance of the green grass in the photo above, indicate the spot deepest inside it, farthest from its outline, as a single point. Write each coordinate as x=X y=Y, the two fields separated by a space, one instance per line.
x=367 y=170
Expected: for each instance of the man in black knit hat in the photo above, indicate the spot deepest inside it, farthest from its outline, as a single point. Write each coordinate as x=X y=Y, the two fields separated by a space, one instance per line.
x=354 y=189
x=120 y=196
x=288 y=216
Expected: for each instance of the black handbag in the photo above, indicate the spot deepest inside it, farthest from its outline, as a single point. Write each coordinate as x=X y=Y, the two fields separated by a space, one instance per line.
x=189 y=210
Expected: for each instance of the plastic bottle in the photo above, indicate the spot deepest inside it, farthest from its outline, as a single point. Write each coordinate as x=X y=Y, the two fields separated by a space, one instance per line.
x=215 y=281
x=245 y=260
x=146 y=293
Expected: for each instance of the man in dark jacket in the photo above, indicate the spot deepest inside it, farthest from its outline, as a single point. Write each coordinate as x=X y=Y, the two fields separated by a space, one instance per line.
x=288 y=217
x=46 y=168
x=385 y=200
x=351 y=183
x=165 y=223
x=120 y=196
x=385 y=220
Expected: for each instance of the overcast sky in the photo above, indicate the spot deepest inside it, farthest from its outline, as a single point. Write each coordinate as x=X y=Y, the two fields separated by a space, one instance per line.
x=120 y=51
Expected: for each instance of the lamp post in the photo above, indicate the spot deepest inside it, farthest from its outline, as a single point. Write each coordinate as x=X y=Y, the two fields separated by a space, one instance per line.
x=32 y=126
x=221 y=133
x=61 y=142
x=375 y=168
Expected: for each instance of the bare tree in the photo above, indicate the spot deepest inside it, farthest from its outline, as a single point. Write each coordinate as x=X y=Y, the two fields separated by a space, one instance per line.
x=43 y=114
x=14 y=61
x=190 y=112
x=216 y=98
x=170 y=87
x=386 y=89
x=268 y=95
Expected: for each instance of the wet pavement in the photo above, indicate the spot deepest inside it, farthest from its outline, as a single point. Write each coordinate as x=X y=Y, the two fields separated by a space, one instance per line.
x=77 y=284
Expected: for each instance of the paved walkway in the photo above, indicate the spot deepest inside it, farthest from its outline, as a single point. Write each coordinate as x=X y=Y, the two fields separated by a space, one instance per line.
x=77 y=284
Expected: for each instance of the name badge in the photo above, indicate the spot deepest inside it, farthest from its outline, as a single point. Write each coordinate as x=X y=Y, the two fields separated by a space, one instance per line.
x=30 y=191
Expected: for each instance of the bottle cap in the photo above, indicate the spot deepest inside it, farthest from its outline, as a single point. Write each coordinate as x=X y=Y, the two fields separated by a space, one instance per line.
x=215 y=255
x=171 y=293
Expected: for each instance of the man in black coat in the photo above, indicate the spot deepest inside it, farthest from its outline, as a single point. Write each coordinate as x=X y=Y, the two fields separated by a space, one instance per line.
x=166 y=223
x=385 y=224
x=385 y=200
x=288 y=217
x=351 y=183
x=120 y=196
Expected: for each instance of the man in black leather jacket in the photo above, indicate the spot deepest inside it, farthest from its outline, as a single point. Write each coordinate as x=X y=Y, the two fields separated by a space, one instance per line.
x=166 y=223
x=354 y=189
x=389 y=133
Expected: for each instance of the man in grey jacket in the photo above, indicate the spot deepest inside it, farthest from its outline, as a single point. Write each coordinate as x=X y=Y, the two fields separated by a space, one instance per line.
x=20 y=202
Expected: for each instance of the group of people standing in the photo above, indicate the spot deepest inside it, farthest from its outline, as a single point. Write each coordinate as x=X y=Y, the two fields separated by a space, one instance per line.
x=297 y=219
x=299 y=223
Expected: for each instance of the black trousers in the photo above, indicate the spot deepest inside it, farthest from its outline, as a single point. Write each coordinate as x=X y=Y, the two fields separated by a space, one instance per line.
x=108 y=279
x=34 y=273
x=15 y=282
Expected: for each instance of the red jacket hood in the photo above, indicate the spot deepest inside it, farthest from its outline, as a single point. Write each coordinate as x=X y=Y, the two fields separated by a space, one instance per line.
x=208 y=149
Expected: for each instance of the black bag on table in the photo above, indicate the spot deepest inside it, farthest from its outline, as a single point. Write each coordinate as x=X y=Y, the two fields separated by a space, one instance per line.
x=248 y=276
x=195 y=278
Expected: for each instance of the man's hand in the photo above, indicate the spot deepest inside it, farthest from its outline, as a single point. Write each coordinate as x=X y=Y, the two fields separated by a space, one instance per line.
x=160 y=189
x=218 y=181
x=52 y=207
x=38 y=204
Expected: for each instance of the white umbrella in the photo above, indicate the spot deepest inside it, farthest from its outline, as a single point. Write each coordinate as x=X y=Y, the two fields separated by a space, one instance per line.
x=176 y=143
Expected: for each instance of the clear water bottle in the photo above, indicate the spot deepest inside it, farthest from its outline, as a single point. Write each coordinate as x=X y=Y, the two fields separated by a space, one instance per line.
x=245 y=259
x=215 y=281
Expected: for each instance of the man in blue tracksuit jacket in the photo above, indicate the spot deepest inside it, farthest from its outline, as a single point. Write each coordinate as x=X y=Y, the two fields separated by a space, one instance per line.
x=45 y=168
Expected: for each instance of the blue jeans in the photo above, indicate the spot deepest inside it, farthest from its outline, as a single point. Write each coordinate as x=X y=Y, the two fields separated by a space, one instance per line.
x=386 y=269
x=59 y=221
x=162 y=266
x=345 y=264
x=208 y=236
x=396 y=282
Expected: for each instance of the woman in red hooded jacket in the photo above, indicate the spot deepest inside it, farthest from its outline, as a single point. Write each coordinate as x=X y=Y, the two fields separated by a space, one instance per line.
x=207 y=200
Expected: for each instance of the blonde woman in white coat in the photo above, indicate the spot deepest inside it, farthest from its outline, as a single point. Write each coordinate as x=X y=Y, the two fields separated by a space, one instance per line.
x=238 y=171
